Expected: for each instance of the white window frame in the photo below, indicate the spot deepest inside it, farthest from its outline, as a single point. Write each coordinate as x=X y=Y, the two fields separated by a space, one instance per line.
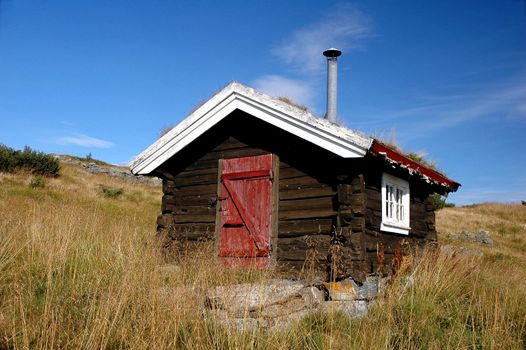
x=396 y=219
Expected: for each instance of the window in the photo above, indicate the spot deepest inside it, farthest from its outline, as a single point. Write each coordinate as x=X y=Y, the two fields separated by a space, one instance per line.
x=395 y=205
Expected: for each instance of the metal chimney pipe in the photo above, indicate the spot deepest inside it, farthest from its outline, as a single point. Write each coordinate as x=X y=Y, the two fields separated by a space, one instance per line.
x=332 y=82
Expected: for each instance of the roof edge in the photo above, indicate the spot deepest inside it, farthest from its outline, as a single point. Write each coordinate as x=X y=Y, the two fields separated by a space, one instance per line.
x=380 y=148
x=339 y=140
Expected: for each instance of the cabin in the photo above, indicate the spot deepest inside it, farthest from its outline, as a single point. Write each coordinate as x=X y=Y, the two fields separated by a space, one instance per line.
x=274 y=186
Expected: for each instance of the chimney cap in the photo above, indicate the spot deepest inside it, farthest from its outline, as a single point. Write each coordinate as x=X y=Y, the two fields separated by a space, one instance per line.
x=332 y=52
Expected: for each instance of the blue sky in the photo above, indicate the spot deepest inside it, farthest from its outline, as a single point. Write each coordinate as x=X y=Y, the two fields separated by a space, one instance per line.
x=446 y=78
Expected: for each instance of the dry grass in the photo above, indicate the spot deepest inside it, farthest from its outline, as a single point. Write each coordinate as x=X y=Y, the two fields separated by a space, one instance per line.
x=81 y=271
x=505 y=222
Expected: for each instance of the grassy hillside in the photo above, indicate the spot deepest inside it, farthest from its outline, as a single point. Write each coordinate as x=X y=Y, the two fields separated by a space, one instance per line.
x=80 y=270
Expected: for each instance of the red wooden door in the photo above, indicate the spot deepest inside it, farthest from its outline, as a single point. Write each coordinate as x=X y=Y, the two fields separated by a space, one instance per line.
x=245 y=214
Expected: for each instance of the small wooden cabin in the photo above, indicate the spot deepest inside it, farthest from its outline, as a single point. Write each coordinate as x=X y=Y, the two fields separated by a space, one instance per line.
x=273 y=184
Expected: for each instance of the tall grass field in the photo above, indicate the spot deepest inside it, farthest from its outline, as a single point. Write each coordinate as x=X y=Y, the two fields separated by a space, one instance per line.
x=84 y=270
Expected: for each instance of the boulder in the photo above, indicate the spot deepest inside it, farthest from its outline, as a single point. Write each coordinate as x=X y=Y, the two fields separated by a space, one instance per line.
x=312 y=296
x=244 y=298
x=276 y=304
x=482 y=237
x=348 y=290
x=353 y=309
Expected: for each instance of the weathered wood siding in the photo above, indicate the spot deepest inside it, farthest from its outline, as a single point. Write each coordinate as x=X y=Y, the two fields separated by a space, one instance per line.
x=307 y=191
x=422 y=220
x=317 y=191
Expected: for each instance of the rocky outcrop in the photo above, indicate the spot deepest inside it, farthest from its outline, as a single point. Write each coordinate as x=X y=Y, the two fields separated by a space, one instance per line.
x=482 y=237
x=95 y=168
x=279 y=303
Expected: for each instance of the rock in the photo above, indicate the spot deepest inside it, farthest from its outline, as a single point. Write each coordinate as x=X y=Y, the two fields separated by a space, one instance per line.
x=312 y=296
x=95 y=168
x=350 y=290
x=244 y=298
x=342 y=291
x=482 y=237
x=280 y=303
x=371 y=287
x=280 y=323
x=125 y=174
x=279 y=310
x=354 y=309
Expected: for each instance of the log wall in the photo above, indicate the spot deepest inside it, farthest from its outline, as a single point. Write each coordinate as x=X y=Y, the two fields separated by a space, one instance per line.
x=380 y=246
x=317 y=191
x=307 y=205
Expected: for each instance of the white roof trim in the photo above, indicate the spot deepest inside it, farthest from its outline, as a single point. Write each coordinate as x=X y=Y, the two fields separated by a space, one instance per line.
x=336 y=139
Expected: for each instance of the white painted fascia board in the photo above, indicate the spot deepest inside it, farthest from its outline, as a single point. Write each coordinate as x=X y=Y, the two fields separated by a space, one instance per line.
x=306 y=131
x=338 y=140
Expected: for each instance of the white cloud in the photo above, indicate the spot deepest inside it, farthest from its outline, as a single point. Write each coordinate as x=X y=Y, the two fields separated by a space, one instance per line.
x=83 y=141
x=299 y=91
x=501 y=101
x=343 y=28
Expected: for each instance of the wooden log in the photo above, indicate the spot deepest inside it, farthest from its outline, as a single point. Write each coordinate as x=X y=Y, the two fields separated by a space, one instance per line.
x=358 y=184
x=198 y=172
x=202 y=164
x=167 y=199
x=165 y=220
x=290 y=172
x=372 y=233
x=203 y=179
x=374 y=199
x=196 y=190
x=297 y=248
x=297 y=193
x=418 y=208
x=292 y=268
x=203 y=227
x=168 y=186
x=197 y=218
x=195 y=210
x=295 y=228
x=310 y=203
x=357 y=224
x=303 y=242
x=301 y=182
x=306 y=214
x=357 y=244
x=232 y=153
x=359 y=210
x=194 y=231
x=358 y=200
x=194 y=200
x=389 y=242
x=168 y=208
x=344 y=193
